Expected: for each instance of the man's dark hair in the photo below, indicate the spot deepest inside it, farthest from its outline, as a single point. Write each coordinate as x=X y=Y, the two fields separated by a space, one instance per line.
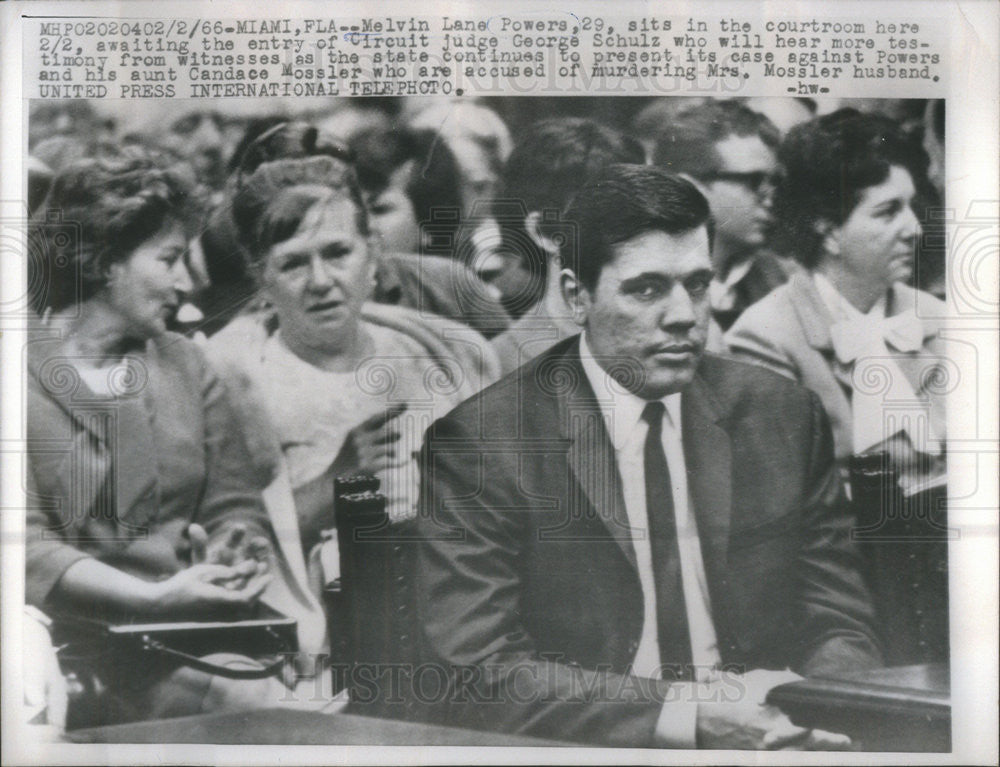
x=553 y=158
x=255 y=128
x=687 y=144
x=380 y=152
x=434 y=182
x=828 y=163
x=622 y=202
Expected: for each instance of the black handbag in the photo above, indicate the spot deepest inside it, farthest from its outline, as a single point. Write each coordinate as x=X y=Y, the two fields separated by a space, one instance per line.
x=96 y=653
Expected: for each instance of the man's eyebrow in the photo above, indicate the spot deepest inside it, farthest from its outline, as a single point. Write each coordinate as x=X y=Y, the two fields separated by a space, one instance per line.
x=705 y=272
x=648 y=276
x=662 y=277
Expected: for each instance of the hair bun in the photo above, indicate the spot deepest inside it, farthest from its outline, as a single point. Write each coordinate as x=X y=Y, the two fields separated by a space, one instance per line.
x=291 y=140
x=291 y=154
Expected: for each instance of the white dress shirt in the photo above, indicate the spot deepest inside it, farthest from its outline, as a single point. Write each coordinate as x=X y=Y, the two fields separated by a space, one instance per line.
x=722 y=298
x=622 y=413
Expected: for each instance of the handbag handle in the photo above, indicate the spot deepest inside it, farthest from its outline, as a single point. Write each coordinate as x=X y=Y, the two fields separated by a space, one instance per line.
x=271 y=669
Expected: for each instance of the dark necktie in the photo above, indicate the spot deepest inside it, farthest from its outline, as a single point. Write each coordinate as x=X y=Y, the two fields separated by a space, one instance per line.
x=671 y=611
x=725 y=317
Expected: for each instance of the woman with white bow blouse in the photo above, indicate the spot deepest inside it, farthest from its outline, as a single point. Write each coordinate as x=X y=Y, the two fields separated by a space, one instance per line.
x=848 y=326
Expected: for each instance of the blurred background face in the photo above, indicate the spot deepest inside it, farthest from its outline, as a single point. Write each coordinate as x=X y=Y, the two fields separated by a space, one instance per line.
x=204 y=140
x=650 y=305
x=66 y=118
x=876 y=243
x=479 y=164
x=503 y=272
x=392 y=216
x=318 y=279
x=784 y=113
x=740 y=193
x=146 y=288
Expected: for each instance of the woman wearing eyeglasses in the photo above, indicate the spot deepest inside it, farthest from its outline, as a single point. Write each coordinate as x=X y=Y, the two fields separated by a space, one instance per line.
x=849 y=326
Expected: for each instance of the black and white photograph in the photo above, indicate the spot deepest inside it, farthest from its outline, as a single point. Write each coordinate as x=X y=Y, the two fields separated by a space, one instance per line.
x=367 y=395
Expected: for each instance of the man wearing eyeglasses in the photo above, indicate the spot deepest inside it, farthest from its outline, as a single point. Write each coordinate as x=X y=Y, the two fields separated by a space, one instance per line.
x=728 y=151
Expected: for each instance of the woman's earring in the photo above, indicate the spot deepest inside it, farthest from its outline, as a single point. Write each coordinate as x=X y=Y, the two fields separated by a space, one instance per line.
x=111 y=273
x=828 y=242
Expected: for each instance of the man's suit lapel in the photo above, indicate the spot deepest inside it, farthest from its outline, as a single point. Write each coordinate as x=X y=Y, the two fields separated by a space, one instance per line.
x=591 y=459
x=591 y=455
x=708 y=455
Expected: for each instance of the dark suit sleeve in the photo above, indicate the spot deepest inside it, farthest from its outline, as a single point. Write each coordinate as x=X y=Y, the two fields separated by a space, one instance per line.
x=837 y=617
x=468 y=586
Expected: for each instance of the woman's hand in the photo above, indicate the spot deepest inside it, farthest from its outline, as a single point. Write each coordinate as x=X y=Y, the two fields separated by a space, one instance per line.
x=372 y=446
x=203 y=589
x=249 y=558
x=206 y=588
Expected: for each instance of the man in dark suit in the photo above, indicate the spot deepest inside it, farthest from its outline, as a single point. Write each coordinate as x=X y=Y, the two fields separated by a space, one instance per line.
x=626 y=541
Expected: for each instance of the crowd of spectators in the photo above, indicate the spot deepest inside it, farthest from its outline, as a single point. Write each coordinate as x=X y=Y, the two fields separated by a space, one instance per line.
x=252 y=305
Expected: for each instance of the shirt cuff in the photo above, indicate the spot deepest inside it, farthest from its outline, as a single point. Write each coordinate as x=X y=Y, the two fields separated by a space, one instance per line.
x=677 y=725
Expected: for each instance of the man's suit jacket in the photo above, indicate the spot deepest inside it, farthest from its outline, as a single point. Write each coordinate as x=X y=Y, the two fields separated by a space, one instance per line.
x=789 y=332
x=526 y=579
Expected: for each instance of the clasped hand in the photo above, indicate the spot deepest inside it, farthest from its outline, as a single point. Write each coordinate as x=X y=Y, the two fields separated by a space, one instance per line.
x=749 y=723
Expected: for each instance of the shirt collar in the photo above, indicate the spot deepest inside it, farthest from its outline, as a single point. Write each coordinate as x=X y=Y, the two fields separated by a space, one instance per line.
x=621 y=409
x=722 y=293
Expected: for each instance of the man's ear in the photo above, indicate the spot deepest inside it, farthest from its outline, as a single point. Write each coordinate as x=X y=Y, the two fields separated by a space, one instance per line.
x=532 y=225
x=576 y=296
